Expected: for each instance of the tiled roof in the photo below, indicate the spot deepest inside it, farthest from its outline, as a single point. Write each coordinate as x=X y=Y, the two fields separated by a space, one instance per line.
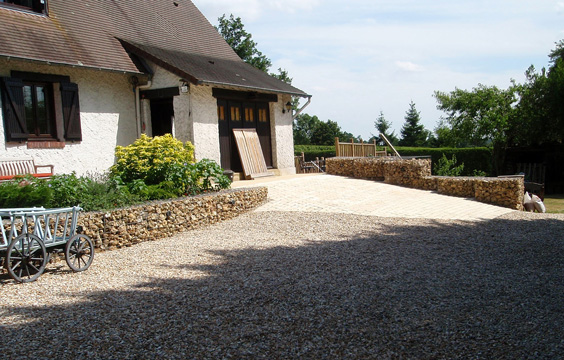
x=99 y=34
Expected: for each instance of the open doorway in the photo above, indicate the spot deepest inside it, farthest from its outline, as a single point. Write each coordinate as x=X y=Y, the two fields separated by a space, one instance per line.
x=162 y=116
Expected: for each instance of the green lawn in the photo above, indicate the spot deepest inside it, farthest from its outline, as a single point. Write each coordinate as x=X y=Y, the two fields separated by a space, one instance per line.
x=554 y=203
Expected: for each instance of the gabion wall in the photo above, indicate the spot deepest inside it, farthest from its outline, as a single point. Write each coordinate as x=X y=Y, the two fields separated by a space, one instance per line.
x=416 y=173
x=125 y=227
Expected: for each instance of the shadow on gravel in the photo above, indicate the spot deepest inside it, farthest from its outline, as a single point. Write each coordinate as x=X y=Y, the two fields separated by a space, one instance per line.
x=458 y=291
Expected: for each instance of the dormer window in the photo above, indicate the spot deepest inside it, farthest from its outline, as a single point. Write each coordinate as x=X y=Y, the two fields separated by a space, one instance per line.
x=37 y=6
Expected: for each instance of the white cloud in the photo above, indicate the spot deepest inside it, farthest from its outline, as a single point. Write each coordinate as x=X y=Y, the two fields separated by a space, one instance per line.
x=409 y=66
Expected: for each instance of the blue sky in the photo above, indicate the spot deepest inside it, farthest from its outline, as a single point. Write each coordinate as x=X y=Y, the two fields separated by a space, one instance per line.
x=360 y=57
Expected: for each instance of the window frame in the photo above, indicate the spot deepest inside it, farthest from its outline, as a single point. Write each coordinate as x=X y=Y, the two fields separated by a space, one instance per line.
x=50 y=118
x=65 y=123
x=38 y=6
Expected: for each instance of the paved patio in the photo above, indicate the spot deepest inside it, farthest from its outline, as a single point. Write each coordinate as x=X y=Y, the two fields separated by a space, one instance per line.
x=337 y=194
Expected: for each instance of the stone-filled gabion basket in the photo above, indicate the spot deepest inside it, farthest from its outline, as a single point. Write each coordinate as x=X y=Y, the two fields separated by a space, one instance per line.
x=125 y=227
x=416 y=173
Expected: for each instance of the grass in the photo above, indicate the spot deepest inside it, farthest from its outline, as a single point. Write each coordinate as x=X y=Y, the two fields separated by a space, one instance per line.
x=554 y=203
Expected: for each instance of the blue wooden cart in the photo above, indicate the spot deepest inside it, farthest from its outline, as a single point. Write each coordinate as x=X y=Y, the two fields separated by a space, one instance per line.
x=30 y=235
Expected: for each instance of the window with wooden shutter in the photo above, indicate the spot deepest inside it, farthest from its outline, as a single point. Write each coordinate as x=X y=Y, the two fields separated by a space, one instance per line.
x=13 y=109
x=71 y=112
x=28 y=104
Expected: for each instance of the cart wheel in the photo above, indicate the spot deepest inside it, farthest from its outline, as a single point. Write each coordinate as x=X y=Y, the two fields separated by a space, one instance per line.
x=79 y=252
x=25 y=258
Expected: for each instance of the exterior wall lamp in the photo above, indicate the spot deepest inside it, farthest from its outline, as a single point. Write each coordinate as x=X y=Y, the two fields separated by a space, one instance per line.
x=288 y=107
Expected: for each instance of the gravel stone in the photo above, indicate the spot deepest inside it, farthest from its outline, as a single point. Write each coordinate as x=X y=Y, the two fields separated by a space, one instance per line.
x=280 y=285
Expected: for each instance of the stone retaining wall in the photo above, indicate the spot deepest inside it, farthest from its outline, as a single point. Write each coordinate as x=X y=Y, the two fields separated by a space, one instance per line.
x=416 y=173
x=125 y=227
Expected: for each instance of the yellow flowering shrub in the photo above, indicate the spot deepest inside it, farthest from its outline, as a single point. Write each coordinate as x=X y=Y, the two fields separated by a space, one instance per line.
x=150 y=159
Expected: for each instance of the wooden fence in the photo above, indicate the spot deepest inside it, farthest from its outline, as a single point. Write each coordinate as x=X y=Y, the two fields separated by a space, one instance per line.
x=362 y=149
x=307 y=167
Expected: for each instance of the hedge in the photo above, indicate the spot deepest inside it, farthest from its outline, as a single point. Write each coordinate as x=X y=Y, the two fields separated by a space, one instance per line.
x=474 y=159
x=313 y=151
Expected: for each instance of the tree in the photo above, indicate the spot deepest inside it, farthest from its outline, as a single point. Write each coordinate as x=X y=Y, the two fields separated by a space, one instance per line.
x=304 y=126
x=309 y=130
x=233 y=31
x=541 y=109
x=483 y=116
x=413 y=133
x=444 y=136
x=325 y=133
x=383 y=126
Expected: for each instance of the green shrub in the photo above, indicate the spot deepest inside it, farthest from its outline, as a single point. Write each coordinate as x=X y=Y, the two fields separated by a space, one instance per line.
x=447 y=167
x=314 y=151
x=151 y=159
x=67 y=189
x=23 y=192
x=64 y=191
x=474 y=159
x=207 y=175
x=104 y=195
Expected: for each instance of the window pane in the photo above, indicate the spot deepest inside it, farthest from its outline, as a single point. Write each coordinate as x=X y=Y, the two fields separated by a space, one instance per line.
x=235 y=114
x=42 y=110
x=249 y=114
x=28 y=105
x=221 y=112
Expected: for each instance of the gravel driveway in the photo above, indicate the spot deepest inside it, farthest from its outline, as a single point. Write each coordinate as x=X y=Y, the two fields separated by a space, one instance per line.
x=280 y=285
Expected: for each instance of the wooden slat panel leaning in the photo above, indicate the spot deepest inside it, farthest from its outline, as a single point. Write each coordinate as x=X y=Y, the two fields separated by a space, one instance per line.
x=251 y=154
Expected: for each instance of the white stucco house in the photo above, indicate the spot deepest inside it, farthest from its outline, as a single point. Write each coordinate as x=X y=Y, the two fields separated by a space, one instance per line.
x=78 y=78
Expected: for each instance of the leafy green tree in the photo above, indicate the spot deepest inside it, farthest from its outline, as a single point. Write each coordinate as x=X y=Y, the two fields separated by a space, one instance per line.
x=325 y=133
x=532 y=121
x=383 y=126
x=233 y=31
x=556 y=90
x=483 y=116
x=541 y=106
x=304 y=127
x=413 y=133
x=347 y=136
x=283 y=76
x=444 y=136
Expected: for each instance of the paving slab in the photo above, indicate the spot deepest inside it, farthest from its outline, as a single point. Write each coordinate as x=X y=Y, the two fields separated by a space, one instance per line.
x=338 y=194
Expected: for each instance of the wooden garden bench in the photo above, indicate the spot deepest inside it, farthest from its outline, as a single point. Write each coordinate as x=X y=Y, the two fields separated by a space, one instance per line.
x=10 y=168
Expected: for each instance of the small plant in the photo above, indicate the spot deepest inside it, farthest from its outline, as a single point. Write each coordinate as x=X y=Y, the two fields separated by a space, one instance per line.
x=479 y=173
x=446 y=167
x=208 y=176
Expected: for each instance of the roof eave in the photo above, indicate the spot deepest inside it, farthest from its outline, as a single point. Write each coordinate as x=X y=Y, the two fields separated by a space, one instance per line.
x=140 y=52
x=256 y=88
x=75 y=65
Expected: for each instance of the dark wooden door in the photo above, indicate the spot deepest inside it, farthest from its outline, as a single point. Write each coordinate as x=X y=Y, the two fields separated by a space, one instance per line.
x=263 y=131
x=235 y=122
x=242 y=115
x=224 y=134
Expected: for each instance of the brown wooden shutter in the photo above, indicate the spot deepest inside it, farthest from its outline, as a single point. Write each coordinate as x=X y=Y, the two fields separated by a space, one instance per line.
x=71 y=111
x=14 y=110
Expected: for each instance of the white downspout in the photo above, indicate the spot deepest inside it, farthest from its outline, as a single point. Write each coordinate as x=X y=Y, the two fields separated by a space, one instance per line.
x=138 y=106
